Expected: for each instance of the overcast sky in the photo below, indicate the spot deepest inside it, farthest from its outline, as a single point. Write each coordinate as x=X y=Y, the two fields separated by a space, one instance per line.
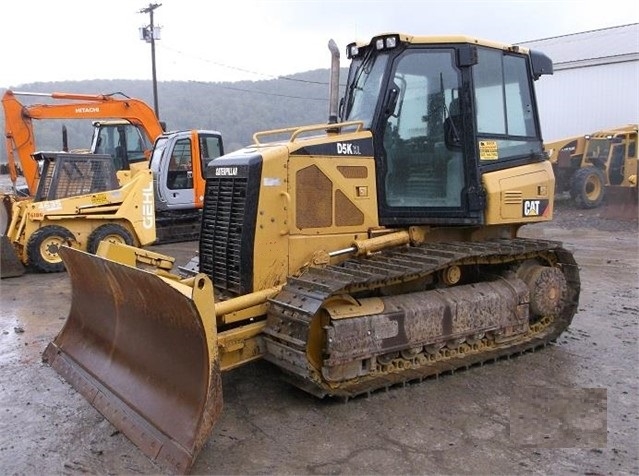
x=228 y=40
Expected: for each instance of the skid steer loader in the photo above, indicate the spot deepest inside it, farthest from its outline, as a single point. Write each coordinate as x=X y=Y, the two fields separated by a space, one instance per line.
x=376 y=249
x=79 y=202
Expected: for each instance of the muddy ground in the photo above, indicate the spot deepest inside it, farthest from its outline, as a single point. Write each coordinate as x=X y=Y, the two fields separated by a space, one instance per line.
x=572 y=407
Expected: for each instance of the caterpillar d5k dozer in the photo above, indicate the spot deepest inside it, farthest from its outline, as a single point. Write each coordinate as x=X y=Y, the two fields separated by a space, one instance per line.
x=378 y=248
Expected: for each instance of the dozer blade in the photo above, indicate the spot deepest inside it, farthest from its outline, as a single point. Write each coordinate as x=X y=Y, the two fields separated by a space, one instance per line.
x=10 y=264
x=139 y=351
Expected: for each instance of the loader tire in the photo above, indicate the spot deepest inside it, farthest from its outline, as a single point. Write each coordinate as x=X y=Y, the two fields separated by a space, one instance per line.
x=587 y=187
x=43 y=247
x=111 y=232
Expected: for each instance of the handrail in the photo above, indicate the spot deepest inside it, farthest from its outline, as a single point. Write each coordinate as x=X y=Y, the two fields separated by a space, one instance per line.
x=297 y=131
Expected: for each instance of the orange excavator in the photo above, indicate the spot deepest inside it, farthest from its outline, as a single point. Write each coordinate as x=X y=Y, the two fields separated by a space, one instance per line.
x=139 y=121
x=130 y=133
x=125 y=128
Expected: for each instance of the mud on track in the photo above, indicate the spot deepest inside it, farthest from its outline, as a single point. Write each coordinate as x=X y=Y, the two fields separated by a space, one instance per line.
x=571 y=407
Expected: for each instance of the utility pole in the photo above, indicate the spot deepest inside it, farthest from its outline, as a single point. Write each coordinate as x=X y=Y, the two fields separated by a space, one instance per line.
x=150 y=33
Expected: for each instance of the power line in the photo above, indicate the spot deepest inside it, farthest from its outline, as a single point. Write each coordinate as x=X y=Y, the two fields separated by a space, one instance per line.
x=243 y=70
x=264 y=93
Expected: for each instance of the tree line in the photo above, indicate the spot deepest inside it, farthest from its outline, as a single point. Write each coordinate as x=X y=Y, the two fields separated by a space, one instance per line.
x=236 y=109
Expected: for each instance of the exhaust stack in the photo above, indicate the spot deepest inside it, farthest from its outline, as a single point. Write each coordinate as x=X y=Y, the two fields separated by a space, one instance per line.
x=333 y=93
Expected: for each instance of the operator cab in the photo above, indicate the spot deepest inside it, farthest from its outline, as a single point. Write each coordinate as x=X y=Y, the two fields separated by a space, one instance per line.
x=178 y=161
x=442 y=111
x=126 y=143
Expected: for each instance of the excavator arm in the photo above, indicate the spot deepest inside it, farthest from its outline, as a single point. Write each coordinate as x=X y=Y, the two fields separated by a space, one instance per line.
x=19 y=135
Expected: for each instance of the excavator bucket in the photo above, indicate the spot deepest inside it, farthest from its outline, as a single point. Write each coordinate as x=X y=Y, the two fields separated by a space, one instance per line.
x=10 y=264
x=148 y=363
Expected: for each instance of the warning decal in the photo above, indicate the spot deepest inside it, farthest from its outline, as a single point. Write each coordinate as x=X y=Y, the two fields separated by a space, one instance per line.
x=488 y=150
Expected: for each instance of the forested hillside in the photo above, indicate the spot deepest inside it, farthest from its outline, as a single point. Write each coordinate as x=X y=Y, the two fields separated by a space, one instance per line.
x=235 y=109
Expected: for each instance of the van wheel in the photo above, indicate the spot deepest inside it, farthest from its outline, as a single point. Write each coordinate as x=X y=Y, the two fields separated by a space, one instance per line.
x=587 y=187
x=110 y=232
x=43 y=247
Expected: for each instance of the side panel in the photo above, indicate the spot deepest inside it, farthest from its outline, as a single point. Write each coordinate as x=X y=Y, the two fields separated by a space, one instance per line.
x=333 y=201
x=520 y=195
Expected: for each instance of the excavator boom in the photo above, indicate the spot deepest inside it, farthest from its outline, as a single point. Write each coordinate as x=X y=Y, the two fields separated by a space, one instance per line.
x=19 y=134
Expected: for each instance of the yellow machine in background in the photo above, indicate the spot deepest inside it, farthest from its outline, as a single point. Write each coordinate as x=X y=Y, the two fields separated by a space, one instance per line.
x=378 y=248
x=593 y=165
x=79 y=202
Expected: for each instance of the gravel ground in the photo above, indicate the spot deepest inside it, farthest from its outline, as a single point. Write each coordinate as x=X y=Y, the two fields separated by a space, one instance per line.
x=571 y=408
x=568 y=215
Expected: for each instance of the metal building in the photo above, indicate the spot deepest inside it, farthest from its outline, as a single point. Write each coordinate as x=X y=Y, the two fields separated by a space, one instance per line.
x=595 y=84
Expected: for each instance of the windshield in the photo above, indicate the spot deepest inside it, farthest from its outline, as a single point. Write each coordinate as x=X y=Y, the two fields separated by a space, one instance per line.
x=365 y=80
x=158 y=150
x=124 y=142
x=597 y=149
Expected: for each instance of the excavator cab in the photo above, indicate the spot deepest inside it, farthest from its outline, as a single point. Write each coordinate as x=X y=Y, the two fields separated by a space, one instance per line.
x=123 y=141
x=178 y=162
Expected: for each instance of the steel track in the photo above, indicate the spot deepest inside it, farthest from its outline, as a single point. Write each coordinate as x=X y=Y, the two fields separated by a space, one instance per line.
x=291 y=311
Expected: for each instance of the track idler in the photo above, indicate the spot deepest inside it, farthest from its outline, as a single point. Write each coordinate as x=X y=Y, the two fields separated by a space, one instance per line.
x=136 y=346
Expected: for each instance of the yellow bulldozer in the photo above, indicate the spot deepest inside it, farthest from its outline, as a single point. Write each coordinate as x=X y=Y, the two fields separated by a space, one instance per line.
x=80 y=200
x=378 y=248
x=598 y=168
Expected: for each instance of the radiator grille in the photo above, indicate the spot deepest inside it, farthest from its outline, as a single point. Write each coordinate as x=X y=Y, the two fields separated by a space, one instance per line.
x=221 y=236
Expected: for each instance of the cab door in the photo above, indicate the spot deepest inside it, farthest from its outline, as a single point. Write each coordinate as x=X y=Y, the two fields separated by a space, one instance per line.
x=426 y=171
x=179 y=174
x=178 y=163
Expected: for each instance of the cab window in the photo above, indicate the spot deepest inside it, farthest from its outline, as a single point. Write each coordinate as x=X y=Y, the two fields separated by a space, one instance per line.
x=180 y=174
x=504 y=110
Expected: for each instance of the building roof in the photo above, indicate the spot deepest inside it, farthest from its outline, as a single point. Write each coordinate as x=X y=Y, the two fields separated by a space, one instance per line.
x=590 y=48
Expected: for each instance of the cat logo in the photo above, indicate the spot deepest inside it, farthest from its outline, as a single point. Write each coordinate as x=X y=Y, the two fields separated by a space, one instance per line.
x=534 y=208
x=226 y=171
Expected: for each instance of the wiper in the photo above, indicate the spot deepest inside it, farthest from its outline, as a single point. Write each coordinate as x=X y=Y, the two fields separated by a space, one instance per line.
x=364 y=67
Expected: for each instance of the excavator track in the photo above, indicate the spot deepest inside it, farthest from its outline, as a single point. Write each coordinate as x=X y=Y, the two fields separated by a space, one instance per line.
x=175 y=227
x=292 y=318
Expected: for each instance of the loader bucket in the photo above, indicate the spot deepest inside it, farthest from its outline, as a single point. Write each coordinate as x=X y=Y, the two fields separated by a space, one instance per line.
x=5 y=213
x=138 y=349
x=621 y=203
x=10 y=264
